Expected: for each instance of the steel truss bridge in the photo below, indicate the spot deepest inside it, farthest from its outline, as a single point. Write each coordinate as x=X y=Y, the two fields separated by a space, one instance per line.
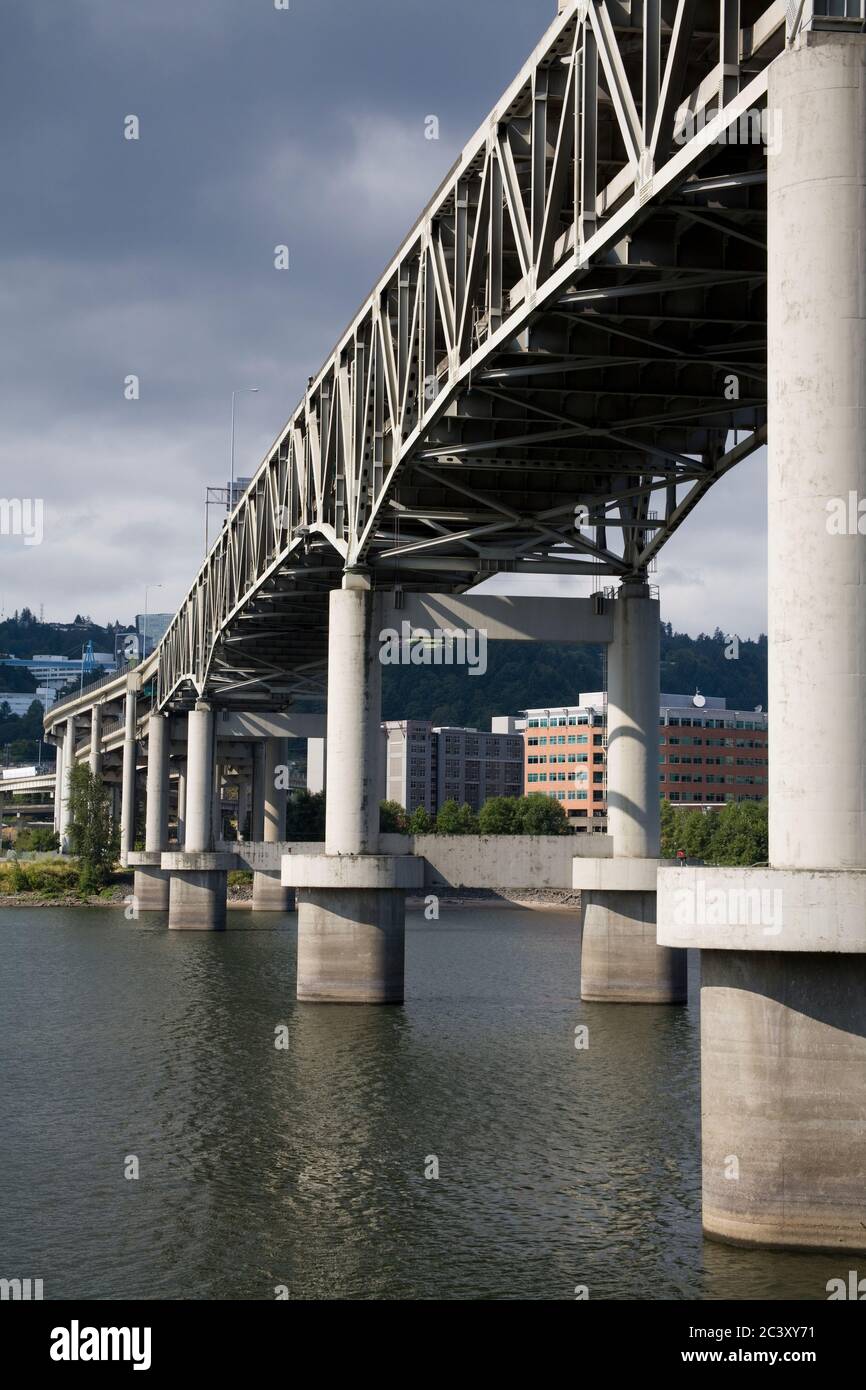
x=576 y=321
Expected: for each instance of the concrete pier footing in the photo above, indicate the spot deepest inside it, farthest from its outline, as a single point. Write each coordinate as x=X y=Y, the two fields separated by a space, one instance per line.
x=783 y=1077
x=199 y=876
x=351 y=945
x=151 y=881
x=197 y=900
x=351 y=924
x=621 y=961
x=269 y=894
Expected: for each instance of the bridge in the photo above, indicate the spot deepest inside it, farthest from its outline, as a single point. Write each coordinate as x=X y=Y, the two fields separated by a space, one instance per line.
x=646 y=265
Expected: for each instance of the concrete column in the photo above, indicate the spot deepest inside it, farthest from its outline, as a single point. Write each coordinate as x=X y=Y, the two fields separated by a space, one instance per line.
x=127 y=812
x=96 y=740
x=621 y=961
x=633 y=724
x=217 y=805
x=783 y=1032
x=58 y=783
x=243 y=802
x=181 y=803
x=151 y=880
x=65 y=782
x=354 y=724
x=352 y=900
x=257 y=829
x=269 y=895
x=199 y=780
x=198 y=874
x=316 y=759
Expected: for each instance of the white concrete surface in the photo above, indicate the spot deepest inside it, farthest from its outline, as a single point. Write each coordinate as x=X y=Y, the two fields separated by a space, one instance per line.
x=354 y=716
x=199 y=779
x=615 y=875
x=127 y=794
x=730 y=909
x=352 y=871
x=633 y=725
x=817 y=454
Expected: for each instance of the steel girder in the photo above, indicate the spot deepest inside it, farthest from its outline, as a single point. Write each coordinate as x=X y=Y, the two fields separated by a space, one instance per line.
x=565 y=354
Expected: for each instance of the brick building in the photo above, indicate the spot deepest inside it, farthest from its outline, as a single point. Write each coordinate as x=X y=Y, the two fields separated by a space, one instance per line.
x=708 y=754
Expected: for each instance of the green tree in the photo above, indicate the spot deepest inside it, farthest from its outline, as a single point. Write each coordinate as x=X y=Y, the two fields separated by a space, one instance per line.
x=93 y=836
x=668 y=820
x=39 y=838
x=448 y=819
x=420 y=822
x=305 y=816
x=498 y=816
x=467 y=820
x=540 y=815
x=740 y=834
x=392 y=818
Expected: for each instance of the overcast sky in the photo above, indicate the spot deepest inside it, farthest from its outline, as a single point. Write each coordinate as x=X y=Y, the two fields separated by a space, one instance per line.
x=154 y=257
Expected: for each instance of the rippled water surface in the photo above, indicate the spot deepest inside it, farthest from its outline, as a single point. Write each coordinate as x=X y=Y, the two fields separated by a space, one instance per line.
x=305 y=1167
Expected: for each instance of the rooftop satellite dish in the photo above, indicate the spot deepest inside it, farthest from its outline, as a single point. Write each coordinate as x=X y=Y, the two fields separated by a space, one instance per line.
x=699 y=701
x=759 y=709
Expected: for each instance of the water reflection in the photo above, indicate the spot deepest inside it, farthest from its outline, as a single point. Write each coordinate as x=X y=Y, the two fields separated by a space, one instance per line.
x=305 y=1166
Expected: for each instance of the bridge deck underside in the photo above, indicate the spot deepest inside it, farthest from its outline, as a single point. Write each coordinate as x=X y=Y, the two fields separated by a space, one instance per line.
x=565 y=354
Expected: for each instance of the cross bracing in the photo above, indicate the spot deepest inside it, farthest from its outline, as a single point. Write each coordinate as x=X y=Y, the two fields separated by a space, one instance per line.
x=566 y=353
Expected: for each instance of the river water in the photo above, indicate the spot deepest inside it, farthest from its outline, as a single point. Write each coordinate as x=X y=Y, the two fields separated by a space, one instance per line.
x=305 y=1167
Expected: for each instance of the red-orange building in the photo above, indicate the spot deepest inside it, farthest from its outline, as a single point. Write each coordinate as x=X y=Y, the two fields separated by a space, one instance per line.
x=708 y=754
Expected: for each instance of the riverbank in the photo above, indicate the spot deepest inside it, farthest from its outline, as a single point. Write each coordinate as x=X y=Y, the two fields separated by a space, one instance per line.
x=118 y=894
x=241 y=895
x=551 y=899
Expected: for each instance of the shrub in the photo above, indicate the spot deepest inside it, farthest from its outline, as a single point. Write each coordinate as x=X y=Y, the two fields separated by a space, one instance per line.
x=540 y=815
x=392 y=818
x=498 y=816
x=456 y=820
x=93 y=835
x=40 y=839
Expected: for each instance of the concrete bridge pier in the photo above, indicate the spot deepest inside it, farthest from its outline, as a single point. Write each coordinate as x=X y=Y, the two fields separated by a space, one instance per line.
x=243 y=804
x=269 y=895
x=128 y=780
x=783 y=948
x=621 y=961
x=58 y=786
x=181 y=802
x=352 y=899
x=96 y=740
x=257 y=819
x=151 y=880
x=66 y=761
x=198 y=875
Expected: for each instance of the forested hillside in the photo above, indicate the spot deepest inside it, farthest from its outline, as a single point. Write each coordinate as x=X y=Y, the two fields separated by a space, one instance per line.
x=521 y=674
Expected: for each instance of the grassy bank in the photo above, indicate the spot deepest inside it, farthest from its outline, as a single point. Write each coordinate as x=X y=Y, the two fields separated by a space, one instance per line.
x=56 y=881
